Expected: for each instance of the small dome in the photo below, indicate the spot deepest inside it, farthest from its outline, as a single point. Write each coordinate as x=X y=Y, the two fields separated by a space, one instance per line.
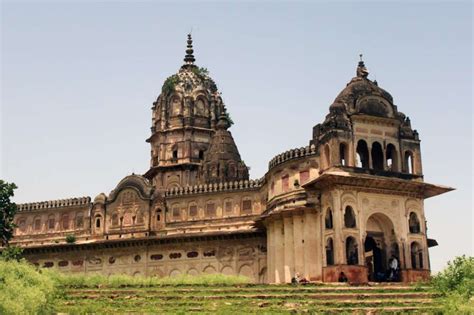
x=100 y=198
x=364 y=96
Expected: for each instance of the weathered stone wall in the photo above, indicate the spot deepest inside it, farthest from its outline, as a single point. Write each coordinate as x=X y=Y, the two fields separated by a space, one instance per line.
x=244 y=255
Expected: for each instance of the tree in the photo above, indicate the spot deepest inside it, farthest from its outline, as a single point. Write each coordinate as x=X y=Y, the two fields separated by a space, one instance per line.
x=7 y=212
x=12 y=253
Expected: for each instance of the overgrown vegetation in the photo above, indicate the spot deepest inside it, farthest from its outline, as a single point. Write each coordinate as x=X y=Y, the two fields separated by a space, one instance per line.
x=12 y=253
x=24 y=289
x=7 y=211
x=229 y=119
x=70 y=238
x=200 y=72
x=456 y=283
x=170 y=84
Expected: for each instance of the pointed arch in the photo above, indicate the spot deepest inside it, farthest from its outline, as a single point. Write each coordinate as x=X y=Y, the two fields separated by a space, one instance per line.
x=377 y=156
x=408 y=162
x=414 y=223
x=349 y=217
x=328 y=221
x=416 y=252
x=343 y=154
x=329 y=252
x=391 y=159
x=352 y=253
x=362 y=154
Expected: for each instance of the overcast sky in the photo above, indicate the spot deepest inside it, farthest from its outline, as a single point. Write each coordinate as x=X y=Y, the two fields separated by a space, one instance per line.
x=78 y=82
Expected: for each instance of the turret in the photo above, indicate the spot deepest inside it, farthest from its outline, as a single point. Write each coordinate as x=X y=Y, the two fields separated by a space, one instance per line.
x=365 y=130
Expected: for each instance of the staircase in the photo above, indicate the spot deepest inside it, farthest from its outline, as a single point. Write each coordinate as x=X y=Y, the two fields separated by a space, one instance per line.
x=251 y=299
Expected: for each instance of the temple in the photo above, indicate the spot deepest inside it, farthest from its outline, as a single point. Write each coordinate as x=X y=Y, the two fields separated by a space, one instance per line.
x=349 y=201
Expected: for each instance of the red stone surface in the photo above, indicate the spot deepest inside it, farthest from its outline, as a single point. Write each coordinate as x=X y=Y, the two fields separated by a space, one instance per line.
x=354 y=274
x=414 y=275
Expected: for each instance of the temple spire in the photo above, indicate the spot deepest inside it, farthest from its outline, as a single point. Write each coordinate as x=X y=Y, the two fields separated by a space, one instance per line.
x=189 y=57
x=361 y=69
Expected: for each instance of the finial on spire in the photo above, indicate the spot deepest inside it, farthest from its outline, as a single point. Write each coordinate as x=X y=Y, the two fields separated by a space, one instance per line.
x=361 y=69
x=189 y=57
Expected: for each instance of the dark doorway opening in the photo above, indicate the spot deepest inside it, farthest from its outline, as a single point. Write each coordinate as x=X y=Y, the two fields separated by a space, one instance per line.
x=374 y=260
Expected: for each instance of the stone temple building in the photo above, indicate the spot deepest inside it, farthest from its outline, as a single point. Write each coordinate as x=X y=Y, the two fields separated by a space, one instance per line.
x=348 y=201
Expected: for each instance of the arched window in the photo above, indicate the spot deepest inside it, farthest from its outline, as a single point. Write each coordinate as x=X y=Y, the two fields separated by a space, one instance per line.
x=232 y=170
x=176 y=106
x=97 y=221
x=176 y=212
x=210 y=210
x=115 y=219
x=362 y=154
x=79 y=221
x=327 y=156
x=377 y=156
x=343 y=155
x=391 y=158
x=201 y=154
x=22 y=225
x=193 y=210
x=352 y=254
x=37 y=224
x=349 y=218
x=416 y=256
x=328 y=219
x=329 y=252
x=51 y=222
x=158 y=215
x=175 y=154
x=65 y=221
x=285 y=183
x=409 y=162
x=414 y=223
x=200 y=108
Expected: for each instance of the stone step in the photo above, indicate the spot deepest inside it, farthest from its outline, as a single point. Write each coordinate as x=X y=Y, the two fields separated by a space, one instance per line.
x=134 y=299
x=333 y=296
x=305 y=289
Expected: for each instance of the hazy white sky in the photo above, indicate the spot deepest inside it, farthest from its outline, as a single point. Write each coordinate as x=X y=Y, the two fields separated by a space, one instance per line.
x=78 y=81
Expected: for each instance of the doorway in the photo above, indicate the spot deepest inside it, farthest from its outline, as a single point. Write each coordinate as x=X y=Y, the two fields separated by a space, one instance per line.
x=381 y=249
x=374 y=257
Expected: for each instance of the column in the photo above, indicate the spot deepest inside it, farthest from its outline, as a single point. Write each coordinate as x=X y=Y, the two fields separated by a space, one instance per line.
x=279 y=251
x=298 y=244
x=270 y=252
x=289 y=266
x=311 y=244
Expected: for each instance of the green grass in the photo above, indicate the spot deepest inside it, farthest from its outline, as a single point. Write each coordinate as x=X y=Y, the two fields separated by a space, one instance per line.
x=48 y=291
x=210 y=294
x=124 y=281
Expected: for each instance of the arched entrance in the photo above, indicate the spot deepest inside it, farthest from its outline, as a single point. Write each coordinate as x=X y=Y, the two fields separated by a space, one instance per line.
x=380 y=246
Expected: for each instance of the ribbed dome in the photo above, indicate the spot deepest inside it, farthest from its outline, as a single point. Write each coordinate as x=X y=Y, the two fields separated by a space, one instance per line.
x=222 y=162
x=364 y=96
x=188 y=98
x=188 y=80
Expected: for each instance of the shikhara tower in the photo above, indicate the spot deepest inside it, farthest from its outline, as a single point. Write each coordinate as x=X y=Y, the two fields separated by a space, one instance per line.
x=347 y=202
x=190 y=143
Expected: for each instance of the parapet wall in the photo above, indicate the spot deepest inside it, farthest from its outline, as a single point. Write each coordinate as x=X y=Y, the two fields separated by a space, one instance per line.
x=80 y=201
x=292 y=154
x=212 y=188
